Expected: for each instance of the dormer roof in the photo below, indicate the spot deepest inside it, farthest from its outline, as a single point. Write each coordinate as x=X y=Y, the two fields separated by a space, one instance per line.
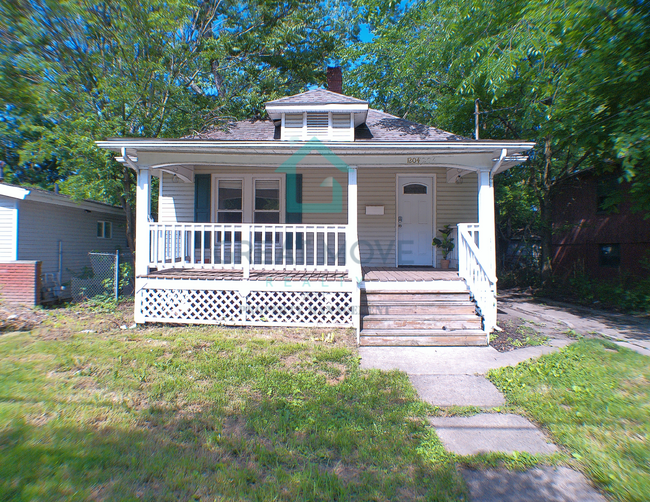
x=317 y=96
x=318 y=100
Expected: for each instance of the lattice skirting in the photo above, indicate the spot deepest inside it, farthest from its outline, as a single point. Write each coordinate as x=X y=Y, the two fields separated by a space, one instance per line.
x=279 y=308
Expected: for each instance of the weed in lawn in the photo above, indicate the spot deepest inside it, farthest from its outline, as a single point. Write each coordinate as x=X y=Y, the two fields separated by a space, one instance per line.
x=514 y=334
x=592 y=398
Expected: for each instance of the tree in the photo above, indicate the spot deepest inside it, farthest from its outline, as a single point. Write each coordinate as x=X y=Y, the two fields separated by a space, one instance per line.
x=75 y=71
x=569 y=75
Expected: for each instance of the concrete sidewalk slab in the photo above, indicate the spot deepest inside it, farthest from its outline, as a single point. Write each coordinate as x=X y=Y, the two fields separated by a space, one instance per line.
x=546 y=484
x=445 y=360
x=457 y=390
x=487 y=432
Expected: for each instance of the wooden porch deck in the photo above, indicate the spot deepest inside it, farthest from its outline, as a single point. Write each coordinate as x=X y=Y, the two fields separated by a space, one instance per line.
x=370 y=274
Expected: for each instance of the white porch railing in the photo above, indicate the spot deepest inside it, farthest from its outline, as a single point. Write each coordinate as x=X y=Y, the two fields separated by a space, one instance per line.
x=247 y=246
x=481 y=281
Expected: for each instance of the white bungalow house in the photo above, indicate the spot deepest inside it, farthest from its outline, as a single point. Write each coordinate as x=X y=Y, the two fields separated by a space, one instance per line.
x=322 y=215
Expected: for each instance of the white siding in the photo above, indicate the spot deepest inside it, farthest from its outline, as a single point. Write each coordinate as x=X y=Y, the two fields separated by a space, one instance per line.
x=455 y=203
x=8 y=208
x=42 y=226
x=176 y=199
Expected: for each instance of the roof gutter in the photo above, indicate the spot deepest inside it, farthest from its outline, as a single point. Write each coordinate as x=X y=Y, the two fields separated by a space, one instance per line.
x=497 y=164
x=272 y=146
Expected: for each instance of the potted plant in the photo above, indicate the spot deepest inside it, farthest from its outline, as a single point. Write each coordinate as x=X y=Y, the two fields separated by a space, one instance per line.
x=446 y=244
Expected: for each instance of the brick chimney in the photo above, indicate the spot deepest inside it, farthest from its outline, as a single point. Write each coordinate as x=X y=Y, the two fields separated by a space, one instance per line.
x=334 y=79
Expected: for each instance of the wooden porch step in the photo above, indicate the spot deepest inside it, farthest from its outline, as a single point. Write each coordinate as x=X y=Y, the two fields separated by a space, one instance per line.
x=422 y=338
x=403 y=297
x=442 y=308
x=427 y=322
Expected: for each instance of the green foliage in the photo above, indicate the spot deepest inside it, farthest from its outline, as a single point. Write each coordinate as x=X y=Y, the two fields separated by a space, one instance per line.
x=592 y=398
x=571 y=76
x=626 y=293
x=446 y=244
x=77 y=71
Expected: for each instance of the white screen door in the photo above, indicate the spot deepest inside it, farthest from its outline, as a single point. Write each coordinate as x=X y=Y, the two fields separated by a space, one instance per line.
x=415 y=221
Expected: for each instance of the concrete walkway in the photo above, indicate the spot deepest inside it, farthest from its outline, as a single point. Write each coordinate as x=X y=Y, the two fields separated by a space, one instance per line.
x=453 y=376
x=625 y=330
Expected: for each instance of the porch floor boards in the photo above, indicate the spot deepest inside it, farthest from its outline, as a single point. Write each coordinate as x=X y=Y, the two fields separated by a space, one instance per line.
x=370 y=274
x=410 y=274
x=255 y=275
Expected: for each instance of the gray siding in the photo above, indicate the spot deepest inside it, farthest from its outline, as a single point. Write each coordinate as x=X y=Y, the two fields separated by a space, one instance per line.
x=7 y=229
x=42 y=226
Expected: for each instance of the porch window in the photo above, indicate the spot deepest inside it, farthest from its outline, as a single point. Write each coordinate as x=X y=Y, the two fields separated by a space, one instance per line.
x=267 y=201
x=229 y=204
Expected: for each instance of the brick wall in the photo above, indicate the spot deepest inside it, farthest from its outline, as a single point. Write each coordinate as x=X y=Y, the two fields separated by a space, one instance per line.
x=20 y=282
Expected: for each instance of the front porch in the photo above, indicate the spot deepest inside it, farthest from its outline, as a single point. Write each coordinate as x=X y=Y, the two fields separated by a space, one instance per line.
x=369 y=274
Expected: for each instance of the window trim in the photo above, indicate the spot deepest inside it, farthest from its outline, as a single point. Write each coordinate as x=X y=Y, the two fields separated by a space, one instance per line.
x=105 y=224
x=216 y=198
x=248 y=194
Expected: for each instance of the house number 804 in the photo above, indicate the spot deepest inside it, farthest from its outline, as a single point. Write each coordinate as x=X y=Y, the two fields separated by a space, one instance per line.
x=413 y=160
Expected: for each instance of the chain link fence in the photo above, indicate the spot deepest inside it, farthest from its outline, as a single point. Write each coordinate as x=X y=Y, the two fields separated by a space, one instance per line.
x=111 y=275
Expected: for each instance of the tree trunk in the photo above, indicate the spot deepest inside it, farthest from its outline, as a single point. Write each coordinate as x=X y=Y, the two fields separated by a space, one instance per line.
x=546 y=213
x=128 y=210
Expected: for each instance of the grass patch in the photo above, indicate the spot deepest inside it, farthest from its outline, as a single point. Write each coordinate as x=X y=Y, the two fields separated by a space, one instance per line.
x=593 y=397
x=205 y=413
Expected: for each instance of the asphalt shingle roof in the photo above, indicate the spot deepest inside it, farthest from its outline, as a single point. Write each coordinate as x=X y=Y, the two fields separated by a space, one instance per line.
x=379 y=126
x=317 y=96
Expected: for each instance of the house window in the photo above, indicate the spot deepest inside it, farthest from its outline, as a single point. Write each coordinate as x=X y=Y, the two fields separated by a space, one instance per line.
x=267 y=201
x=249 y=199
x=229 y=201
x=415 y=189
x=104 y=229
x=609 y=255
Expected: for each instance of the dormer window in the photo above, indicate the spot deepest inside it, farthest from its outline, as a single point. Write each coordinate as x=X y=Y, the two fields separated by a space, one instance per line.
x=326 y=126
x=321 y=114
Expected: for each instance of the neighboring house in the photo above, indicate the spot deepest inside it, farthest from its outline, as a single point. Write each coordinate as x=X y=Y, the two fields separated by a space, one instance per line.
x=50 y=228
x=322 y=215
x=595 y=230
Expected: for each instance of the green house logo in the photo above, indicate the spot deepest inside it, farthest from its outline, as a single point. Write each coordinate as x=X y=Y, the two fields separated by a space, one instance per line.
x=290 y=166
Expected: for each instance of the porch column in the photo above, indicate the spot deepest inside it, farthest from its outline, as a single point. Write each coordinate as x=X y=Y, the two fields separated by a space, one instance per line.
x=352 y=238
x=486 y=237
x=142 y=214
x=353 y=258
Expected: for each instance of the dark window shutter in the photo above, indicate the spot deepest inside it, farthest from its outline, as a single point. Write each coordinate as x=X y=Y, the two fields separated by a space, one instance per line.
x=202 y=198
x=294 y=195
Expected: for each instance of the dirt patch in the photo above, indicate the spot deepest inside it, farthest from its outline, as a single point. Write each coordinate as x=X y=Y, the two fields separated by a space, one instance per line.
x=516 y=333
x=19 y=318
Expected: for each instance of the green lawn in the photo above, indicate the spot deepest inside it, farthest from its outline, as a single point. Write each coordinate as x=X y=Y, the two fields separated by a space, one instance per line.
x=593 y=398
x=206 y=413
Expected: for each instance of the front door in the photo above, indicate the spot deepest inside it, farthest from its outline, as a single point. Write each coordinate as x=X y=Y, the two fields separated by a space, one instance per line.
x=415 y=220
